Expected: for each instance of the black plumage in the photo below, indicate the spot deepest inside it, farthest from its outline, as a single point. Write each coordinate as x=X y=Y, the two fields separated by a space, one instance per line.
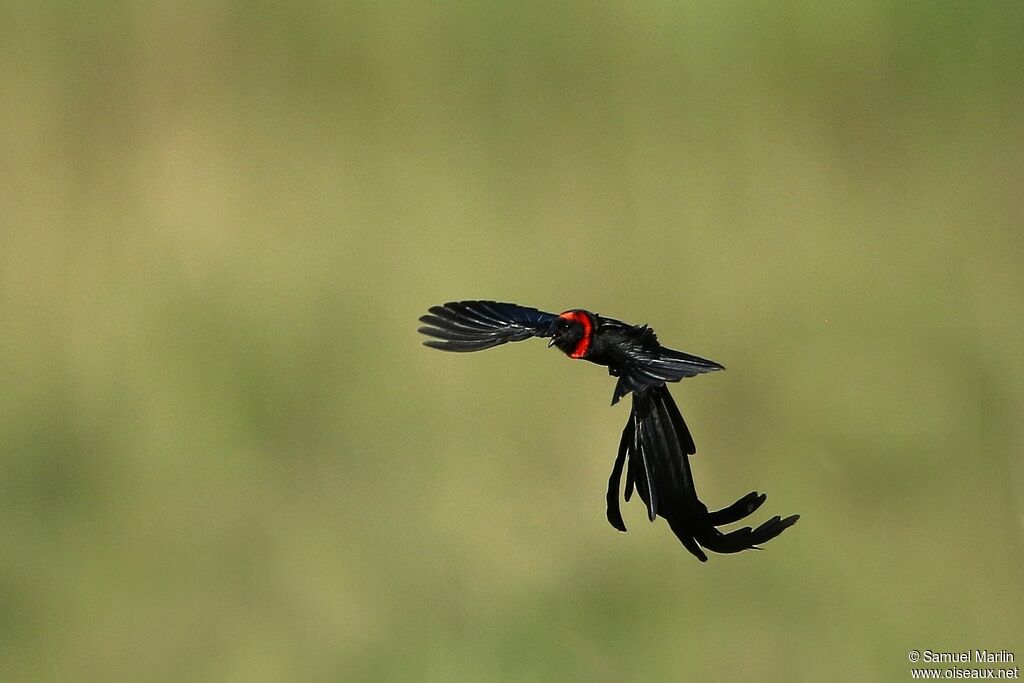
x=655 y=444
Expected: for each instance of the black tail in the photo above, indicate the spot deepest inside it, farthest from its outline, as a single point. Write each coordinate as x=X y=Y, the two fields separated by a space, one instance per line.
x=658 y=443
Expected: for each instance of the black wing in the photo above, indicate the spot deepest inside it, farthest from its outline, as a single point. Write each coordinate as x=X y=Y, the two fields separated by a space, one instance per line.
x=478 y=325
x=658 y=443
x=647 y=364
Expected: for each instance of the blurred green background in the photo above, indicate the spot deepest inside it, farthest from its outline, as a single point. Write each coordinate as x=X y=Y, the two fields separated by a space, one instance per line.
x=227 y=457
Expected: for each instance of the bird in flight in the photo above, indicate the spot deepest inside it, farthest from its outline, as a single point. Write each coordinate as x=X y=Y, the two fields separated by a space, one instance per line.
x=655 y=443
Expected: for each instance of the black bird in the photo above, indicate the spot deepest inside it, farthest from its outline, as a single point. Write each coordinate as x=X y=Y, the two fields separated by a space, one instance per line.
x=655 y=439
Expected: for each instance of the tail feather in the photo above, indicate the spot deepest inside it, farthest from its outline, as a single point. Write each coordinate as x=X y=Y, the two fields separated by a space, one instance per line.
x=746 y=538
x=614 y=516
x=654 y=451
x=741 y=508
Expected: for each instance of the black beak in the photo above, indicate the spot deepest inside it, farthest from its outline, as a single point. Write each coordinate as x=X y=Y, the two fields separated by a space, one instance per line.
x=553 y=332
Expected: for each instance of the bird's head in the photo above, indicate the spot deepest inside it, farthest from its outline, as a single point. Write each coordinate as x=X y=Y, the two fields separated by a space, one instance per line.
x=571 y=332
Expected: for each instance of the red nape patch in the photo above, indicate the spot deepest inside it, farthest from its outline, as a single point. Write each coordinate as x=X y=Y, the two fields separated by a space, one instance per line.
x=583 y=345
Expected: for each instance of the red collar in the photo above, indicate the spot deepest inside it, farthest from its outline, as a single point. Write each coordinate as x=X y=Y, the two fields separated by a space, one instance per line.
x=583 y=345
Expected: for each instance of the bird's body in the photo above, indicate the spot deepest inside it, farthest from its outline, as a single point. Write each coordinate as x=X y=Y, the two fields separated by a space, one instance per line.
x=655 y=443
x=631 y=353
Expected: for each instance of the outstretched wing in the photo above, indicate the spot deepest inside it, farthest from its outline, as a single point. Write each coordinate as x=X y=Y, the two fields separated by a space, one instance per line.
x=648 y=364
x=478 y=325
